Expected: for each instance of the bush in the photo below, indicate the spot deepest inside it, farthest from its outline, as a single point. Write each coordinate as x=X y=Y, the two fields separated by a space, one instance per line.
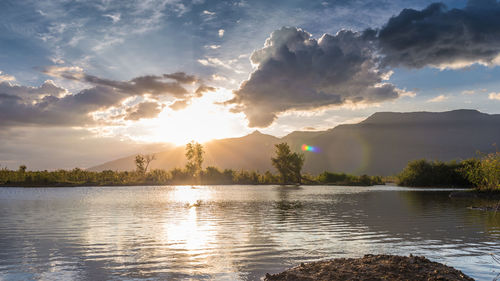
x=423 y=173
x=484 y=172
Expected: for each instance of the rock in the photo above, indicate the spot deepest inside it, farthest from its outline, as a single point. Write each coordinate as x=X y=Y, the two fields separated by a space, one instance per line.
x=371 y=267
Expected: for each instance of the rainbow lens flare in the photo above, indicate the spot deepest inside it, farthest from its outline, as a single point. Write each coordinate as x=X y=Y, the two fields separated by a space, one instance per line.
x=311 y=148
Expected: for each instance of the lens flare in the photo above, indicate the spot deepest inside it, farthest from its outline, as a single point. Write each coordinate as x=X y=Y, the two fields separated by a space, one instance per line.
x=311 y=148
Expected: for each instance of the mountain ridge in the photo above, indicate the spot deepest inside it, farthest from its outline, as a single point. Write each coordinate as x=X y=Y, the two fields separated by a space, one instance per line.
x=391 y=138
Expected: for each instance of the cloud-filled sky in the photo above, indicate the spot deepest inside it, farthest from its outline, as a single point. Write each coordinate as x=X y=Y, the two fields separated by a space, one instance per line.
x=82 y=82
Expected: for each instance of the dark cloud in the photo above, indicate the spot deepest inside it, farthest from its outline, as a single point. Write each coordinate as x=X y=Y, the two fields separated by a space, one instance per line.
x=182 y=77
x=296 y=71
x=70 y=110
x=31 y=93
x=144 y=110
x=149 y=84
x=442 y=37
x=203 y=89
x=50 y=105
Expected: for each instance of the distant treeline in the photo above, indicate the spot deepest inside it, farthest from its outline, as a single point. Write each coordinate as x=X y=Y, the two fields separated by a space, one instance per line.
x=210 y=175
x=482 y=172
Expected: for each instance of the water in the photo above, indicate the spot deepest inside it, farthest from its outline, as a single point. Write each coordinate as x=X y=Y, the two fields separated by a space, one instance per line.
x=231 y=232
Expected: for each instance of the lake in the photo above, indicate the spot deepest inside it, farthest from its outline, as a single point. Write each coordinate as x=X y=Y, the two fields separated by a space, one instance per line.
x=232 y=232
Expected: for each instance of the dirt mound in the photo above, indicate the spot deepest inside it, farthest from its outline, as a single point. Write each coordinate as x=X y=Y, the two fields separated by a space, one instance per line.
x=371 y=268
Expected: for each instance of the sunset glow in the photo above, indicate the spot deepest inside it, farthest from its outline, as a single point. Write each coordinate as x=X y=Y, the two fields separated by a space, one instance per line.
x=201 y=121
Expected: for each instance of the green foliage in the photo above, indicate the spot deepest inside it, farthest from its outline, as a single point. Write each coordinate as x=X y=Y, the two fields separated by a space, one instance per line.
x=423 y=173
x=211 y=175
x=194 y=155
x=288 y=164
x=484 y=172
x=345 y=179
x=142 y=162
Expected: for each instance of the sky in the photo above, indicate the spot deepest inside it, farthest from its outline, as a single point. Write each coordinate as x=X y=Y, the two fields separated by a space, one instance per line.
x=84 y=82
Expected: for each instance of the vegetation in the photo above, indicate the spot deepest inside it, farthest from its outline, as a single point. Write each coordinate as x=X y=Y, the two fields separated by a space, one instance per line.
x=142 y=162
x=177 y=176
x=482 y=172
x=345 y=179
x=423 y=173
x=194 y=156
x=288 y=164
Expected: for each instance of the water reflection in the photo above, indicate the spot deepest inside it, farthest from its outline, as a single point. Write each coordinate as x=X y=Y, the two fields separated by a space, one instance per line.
x=231 y=232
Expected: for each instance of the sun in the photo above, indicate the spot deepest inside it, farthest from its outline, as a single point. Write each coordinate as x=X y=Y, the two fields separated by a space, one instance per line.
x=201 y=121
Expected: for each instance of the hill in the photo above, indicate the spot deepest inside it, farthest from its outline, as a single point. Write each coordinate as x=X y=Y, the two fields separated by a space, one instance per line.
x=382 y=144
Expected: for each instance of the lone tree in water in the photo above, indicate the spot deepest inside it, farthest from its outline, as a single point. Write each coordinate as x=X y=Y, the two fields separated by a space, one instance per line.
x=194 y=155
x=288 y=164
x=142 y=162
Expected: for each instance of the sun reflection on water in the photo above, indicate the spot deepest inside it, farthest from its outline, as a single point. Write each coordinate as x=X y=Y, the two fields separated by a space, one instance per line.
x=187 y=230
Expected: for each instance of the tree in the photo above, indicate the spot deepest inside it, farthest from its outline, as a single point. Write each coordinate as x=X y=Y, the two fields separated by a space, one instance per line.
x=22 y=169
x=194 y=155
x=142 y=162
x=288 y=164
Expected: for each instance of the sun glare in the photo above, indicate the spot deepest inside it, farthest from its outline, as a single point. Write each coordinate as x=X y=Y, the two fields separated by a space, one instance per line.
x=200 y=121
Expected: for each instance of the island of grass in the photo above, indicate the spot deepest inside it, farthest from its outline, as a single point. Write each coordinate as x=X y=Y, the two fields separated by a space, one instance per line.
x=371 y=267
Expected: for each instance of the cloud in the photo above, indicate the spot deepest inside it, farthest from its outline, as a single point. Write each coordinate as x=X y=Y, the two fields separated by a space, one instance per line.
x=50 y=110
x=48 y=88
x=154 y=85
x=217 y=77
x=221 y=33
x=213 y=47
x=6 y=77
x=468 y=92
x=144 y=110
x=494 y=96
x=405 y=93
x=297 y=72
x=179 y=104
x=114 y=17
x=439 y=98
x=443 y=38
x=203 y=89
x=214 y=62
x=51 y=105
x=182 y=77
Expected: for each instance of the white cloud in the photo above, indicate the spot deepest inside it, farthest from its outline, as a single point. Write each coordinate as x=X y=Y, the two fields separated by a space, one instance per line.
x=468 y=92
x=405 y=93
x=221 y=33
x=387 y=75
x=494 y=96
x=208 y=61
x=208 y=13
x=217 y=77
x=6 y=77
x=439 y=98
x=114 y=17
x=213 y=47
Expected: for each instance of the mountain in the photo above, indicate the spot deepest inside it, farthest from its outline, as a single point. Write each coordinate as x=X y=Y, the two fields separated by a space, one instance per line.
x=250 y=152
x=382 y=144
